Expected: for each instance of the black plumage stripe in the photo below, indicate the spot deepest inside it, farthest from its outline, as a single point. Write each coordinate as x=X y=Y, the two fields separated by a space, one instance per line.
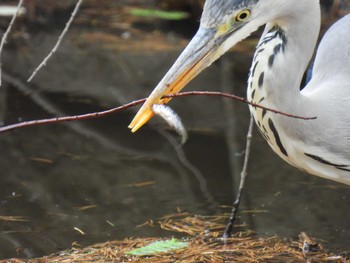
x=271 y=60
x=277 y=138
x=321 y=160
x=261 y=79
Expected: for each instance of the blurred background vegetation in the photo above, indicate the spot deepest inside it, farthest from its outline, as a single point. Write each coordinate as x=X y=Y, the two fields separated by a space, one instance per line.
x=131 y=24
x=136 y=25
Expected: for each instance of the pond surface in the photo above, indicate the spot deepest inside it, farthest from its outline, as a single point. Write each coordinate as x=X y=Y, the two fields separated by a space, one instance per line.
x=97 y=177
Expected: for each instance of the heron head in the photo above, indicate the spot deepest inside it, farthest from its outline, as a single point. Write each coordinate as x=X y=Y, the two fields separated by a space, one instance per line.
x=223 y=24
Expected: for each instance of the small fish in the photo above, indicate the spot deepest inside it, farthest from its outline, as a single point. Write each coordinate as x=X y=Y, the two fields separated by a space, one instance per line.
x=173 y=120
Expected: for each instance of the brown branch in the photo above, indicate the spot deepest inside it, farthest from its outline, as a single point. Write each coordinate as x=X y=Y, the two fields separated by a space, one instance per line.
x=137 y=102
x=234 y=97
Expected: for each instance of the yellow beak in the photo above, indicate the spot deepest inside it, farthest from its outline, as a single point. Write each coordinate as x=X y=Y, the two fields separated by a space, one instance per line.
x=199 y=54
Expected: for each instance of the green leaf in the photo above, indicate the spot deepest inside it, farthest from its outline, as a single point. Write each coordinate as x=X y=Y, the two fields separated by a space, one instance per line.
x=154 y=13
x=158 y=247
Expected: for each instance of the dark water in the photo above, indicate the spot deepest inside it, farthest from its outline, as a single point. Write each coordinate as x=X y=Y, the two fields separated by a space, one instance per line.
x=86 y=174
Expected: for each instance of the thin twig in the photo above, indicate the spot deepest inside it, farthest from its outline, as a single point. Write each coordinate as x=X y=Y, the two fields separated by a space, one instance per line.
x=137 y=102
x=244 y=174
x=230 y=96
x=60 y=38
x=8 y=30
x=71 y=118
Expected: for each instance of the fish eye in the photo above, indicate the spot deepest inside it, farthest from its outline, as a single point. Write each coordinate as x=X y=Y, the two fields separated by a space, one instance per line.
x=243 y=15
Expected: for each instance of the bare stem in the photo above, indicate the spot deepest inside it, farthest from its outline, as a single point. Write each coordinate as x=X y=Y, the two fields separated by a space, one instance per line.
x=234 y=97
x=71 y=118
x=137 y=102
x=60 y=38
x=8 y=30
x=244 y=174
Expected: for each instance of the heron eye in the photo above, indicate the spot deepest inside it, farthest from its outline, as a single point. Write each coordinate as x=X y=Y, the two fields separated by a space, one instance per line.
x=243 y=15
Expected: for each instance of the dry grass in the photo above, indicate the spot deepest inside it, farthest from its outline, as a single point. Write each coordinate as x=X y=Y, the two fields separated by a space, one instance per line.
x=205 y=245
x=13 y=218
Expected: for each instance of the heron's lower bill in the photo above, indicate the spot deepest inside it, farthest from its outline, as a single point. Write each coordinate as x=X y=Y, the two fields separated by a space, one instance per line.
x=146 y=113
x=197 y=55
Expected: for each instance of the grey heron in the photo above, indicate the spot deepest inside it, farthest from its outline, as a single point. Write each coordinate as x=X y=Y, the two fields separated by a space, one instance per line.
x=320 y=147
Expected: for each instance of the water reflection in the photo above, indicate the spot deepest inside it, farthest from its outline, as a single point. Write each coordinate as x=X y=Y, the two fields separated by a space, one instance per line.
x=98 y=177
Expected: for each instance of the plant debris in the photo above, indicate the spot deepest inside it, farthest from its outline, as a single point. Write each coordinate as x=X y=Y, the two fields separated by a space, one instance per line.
x=13 y=218
x=158 y=247
x=203 y=244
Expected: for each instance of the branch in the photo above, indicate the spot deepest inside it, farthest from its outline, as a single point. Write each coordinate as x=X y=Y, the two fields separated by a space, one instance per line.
x=71 y=118
x=244 y=174
x=234 y=97
x=60 y=38
x=8 y=30
x=137 y=102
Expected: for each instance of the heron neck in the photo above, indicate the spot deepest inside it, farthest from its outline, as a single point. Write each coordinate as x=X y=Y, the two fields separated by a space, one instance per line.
x=281 y=59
